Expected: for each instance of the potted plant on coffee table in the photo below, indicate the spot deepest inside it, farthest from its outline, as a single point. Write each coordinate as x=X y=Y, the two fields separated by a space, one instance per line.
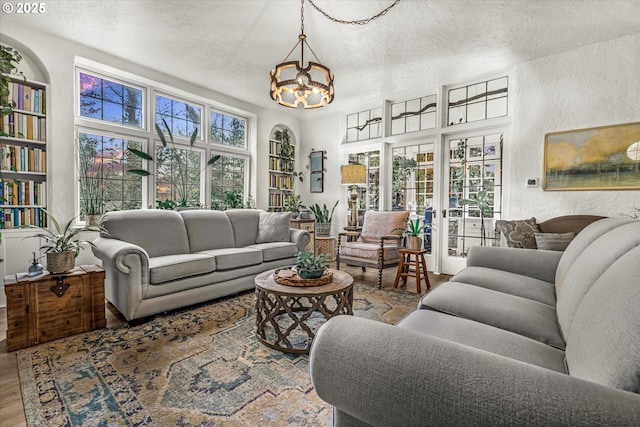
x=62 y=246
x=310 y=266
x=323 y=218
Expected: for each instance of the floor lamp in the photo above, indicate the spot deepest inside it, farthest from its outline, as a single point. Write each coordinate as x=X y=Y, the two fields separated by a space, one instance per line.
x=353 y=175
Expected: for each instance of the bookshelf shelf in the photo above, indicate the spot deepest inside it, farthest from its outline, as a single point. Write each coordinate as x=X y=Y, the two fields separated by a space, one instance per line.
x=281 y=179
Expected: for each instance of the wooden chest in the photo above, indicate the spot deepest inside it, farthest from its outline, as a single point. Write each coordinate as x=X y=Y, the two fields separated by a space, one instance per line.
x=52 y=306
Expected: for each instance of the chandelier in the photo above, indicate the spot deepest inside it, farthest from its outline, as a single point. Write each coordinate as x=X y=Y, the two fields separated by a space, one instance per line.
x=293 y=85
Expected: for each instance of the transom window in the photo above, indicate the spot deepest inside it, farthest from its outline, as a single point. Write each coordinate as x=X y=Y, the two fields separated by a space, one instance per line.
x=228 y=130
x=479 y=101
x=181 y=117
x=110 y=101
x=413 y=115
x=366 y=124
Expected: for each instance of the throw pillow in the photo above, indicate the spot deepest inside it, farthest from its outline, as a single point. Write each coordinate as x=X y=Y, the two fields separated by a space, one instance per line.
x=274 y=227
x=554 y=241
x=519 y=233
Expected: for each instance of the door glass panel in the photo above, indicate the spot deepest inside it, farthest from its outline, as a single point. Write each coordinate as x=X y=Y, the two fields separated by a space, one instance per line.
x=475 y=193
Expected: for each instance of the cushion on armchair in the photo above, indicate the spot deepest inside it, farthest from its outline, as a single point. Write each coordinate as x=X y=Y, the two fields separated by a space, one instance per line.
x=380 y=224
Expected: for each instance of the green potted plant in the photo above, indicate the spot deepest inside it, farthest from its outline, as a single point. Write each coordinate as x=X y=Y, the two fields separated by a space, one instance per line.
x=413 y=230
x=323 y=218
x=483 y=200
x=62 y=246
x=310 y=266
x=182 y=182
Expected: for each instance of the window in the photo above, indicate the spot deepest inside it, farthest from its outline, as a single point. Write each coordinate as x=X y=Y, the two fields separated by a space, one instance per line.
x=228 y=130
x=104 y=183
x=181 y=117
x=480 y=101
x=110 y=101
x=414 y=115
x=227 y=183
x=364 y=125
x=368 y=196
x=412 y=178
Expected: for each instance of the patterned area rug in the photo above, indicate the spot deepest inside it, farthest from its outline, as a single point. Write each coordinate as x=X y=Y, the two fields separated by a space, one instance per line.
x=197 y=367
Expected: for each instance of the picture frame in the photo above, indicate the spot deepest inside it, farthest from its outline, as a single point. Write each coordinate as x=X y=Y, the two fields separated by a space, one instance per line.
x=599 y=158
x=316 y=182
x=316 y=161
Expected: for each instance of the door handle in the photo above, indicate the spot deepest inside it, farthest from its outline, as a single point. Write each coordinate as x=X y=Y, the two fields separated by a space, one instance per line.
x=444 y=213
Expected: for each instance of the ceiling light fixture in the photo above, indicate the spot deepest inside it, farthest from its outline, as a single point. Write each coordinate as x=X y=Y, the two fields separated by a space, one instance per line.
x=294 y=85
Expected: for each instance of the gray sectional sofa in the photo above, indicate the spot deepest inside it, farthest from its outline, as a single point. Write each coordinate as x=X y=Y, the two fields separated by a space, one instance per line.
x=519 y=337
x=158 y=260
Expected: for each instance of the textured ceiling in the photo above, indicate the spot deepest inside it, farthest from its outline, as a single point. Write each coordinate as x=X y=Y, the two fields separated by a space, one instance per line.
x=230 y=46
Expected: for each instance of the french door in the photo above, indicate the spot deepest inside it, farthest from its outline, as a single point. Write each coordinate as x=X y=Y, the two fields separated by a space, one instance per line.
x=455 y=187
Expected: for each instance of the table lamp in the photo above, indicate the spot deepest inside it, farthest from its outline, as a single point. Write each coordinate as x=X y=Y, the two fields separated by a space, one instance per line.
x=353 y=175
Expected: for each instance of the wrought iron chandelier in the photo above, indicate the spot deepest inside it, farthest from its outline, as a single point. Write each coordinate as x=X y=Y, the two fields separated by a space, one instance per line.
x=294 y=85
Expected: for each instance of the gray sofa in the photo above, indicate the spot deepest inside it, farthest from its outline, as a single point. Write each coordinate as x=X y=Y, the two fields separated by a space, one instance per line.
x=158 y=260
x=519 y=337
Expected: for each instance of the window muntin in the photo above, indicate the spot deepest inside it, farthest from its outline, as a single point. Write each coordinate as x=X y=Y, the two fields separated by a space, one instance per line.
x=181 y=117
x=110 y=100
x=104 y=184
x=413 y=115
x=364 y=125
x=480 y=101
x=228 y=130
x=369 y=195
x=227 y=183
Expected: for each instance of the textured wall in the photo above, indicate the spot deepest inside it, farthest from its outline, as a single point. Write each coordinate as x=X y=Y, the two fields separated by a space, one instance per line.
x=596 y=85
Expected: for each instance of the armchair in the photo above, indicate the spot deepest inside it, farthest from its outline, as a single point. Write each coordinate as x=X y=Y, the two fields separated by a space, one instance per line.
x=376 y=245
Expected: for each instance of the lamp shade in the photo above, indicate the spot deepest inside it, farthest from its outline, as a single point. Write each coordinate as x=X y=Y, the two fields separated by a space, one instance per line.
x=353 y=174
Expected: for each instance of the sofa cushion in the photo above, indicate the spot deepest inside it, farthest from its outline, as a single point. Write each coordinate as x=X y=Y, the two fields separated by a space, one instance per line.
x=519 y=233
x=228 y=258
x=510 y=283
x=604 y=339
x=276 y=250
x=274 y=227
x=369 y=250
x=172 y=267
x=245 y=224
x=485 y=337
x=208 y=229
x=511 y=313
x=379 y=224
x=158 y=232
x=554 y=241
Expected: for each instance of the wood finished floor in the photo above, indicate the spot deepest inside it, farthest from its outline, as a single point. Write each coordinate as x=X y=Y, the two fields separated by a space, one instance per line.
x=11 y=407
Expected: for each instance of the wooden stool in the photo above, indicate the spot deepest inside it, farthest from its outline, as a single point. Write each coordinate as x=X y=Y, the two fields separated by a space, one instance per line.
x=420 y=265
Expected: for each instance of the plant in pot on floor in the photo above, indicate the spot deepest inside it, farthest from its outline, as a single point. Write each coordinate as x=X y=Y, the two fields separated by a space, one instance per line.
x=62 y=246
x=310 y=266
x=413 y=230
x=323 y=218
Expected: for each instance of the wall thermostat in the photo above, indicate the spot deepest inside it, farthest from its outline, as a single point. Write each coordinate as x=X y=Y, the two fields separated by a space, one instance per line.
x=532 y=182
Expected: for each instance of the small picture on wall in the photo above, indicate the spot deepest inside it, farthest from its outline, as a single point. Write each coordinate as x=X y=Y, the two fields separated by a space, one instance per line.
x=316 y=182
x=316 y=161
x=601 y=158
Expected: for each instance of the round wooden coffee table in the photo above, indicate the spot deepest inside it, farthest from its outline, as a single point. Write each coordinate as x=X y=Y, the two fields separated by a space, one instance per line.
x=288 y=316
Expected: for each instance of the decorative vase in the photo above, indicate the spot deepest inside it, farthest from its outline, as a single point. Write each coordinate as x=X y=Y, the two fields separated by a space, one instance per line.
x=414 y=243
x=323 y=229
x=92 y=220
x=304 y=273
x=60 y=262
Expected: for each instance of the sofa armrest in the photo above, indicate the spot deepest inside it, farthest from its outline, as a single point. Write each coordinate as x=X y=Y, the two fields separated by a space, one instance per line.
x=114 y=252
x=300 y=237
x=536 y=263
x=386 y=375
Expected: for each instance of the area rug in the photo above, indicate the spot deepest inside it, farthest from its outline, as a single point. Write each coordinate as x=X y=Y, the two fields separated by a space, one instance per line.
x=201 y=366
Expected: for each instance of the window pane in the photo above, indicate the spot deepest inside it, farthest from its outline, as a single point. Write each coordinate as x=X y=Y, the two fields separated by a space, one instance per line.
x=105 y=184
x=227 y=183
x=178 y=175
x=110 y=101
x=228 y=130
x=479 y=101
x=177 y=114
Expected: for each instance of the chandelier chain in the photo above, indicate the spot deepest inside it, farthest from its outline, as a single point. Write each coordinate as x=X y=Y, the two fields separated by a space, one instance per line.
x=302 y=16
x=354 y=22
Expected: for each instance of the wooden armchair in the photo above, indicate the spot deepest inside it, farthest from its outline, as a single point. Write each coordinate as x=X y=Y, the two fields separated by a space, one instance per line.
x=376 y=245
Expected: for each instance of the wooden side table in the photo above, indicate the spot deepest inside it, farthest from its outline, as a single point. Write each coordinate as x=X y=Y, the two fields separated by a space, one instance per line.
x=419 y=264
x=326 y=245
x=51 y=306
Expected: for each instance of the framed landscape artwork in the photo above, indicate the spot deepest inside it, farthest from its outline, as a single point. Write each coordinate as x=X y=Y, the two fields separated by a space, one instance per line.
x=601 y=158
x=316 y=161
x=316 y=182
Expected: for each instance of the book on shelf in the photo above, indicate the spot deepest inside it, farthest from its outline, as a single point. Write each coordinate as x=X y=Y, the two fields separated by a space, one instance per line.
x=23 y=159
x=19 y=217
